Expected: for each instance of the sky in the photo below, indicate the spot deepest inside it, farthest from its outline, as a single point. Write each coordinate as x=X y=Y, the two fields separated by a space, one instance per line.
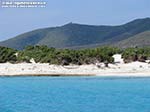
x=15 y=21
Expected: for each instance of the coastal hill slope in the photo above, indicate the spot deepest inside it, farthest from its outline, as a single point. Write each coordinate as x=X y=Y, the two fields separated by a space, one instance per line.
x=77 y=35
x=140 y=40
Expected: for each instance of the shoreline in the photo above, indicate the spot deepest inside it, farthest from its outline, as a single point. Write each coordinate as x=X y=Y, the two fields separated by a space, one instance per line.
x=78 y=76
x=134 y=69
x=81 y=75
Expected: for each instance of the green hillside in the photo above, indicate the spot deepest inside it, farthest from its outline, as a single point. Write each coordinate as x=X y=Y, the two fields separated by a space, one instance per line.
x=142 y=39
x=77 y=35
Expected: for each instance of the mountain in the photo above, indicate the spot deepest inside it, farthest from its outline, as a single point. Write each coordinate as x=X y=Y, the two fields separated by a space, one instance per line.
x=78 y=36
x=140 y=40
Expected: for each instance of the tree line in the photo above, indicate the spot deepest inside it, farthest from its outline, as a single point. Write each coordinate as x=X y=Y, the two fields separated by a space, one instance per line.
x=44 y=54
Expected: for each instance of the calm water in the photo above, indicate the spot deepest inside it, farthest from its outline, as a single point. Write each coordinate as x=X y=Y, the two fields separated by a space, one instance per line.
x=74 y=94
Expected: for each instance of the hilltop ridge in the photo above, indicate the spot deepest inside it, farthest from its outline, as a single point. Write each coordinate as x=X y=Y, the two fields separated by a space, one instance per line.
x=73 y=35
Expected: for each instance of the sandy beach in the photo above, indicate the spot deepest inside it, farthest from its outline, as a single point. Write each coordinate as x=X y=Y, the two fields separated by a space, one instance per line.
x=134 y=69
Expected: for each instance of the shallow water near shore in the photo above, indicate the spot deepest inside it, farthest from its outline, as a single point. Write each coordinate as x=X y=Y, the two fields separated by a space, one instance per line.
x=74 y=94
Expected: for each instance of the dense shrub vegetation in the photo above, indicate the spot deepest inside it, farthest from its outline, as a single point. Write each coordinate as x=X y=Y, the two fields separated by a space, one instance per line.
x=43 y=54
x=7 y=55
x=136 y=54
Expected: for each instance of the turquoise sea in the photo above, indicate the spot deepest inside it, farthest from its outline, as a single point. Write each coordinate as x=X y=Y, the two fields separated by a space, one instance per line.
x=74 y=94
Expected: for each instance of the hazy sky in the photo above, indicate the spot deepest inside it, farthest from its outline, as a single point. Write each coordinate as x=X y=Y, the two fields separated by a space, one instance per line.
x=58 y=12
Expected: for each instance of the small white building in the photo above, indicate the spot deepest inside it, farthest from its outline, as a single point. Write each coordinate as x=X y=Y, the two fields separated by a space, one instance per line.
x=118 y=58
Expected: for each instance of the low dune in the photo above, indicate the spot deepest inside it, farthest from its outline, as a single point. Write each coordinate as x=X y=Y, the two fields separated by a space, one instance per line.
x=134 y=69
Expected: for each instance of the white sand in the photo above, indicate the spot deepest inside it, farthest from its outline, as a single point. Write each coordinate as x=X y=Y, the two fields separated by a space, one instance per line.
x=135 y=69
